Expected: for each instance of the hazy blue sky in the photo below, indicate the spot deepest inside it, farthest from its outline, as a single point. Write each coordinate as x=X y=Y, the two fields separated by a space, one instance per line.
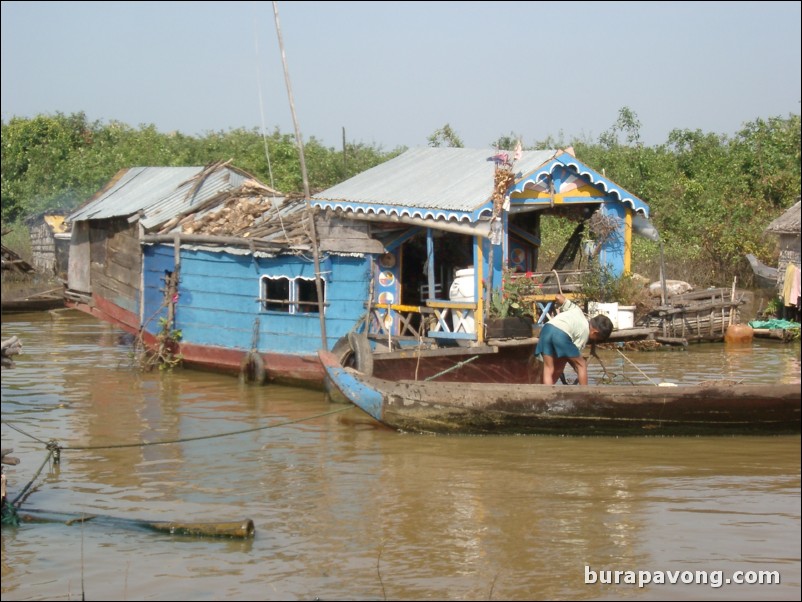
x=391 y=73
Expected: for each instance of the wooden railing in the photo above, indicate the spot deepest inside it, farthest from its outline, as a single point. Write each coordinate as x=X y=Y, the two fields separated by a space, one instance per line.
x=548 y=285
x=438 y=319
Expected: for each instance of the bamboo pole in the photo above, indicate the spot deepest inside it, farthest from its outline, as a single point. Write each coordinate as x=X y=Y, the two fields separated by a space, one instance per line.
x=300 y=142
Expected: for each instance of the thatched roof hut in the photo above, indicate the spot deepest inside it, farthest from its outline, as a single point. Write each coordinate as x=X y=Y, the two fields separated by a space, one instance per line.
x=788 y=223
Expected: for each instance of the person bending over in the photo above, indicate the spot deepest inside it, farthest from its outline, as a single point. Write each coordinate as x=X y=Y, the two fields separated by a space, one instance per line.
x=563 y=337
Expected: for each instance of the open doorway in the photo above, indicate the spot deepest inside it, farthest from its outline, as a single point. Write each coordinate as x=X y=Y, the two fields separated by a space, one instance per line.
x=452 y=252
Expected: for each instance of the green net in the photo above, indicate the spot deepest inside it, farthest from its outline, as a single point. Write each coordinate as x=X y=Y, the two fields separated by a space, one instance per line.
x=774 y=324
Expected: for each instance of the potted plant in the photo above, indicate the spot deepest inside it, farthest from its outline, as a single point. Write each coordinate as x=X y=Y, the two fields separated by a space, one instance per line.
x=509 y=313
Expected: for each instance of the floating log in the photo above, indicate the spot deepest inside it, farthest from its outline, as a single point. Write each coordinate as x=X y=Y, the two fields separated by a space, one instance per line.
x=234 y=530
x=672 y=341
x=631 y=333
x=782 y=334
x=238 y=530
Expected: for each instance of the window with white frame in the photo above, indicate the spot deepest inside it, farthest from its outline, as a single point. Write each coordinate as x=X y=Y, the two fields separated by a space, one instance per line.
x=290 y=295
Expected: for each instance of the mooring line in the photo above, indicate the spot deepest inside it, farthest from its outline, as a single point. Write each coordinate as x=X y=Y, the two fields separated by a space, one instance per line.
x=35 y=476
x=19 y=430
x=452 y=368
x=183 y=439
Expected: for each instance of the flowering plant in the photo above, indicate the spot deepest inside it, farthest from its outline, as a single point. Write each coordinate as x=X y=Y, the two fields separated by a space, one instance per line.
x=510 y=300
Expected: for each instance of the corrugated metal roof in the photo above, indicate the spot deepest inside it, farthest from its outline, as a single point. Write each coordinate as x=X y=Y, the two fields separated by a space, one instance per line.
x=452 y=183
x=436 y=179
x=159 y=193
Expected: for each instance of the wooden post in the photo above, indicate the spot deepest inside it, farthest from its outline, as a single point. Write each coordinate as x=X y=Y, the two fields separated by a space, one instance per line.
x=627 y=240
x=345 y=157
x=430 y=263
x=663 y=292
x=478 y=318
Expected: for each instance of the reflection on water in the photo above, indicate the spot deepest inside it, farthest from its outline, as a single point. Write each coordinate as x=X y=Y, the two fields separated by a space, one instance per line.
x=346 y=509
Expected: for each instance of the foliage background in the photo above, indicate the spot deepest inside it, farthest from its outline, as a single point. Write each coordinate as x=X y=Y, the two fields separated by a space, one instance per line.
x=711 y=196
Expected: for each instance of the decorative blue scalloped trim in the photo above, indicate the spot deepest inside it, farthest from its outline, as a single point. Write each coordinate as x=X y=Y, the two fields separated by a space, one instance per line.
x=417 y=212
x=577 y=167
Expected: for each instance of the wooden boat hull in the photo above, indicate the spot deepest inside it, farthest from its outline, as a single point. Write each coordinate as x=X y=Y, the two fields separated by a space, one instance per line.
x=765 y=276
x=511 y=363
x=33 y=303
x=487 y=408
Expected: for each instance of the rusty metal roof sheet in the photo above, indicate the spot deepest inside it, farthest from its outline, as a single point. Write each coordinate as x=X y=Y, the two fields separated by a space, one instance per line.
x=158 y=194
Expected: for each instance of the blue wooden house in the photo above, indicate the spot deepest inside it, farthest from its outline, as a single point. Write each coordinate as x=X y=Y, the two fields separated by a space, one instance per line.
x=409 y=252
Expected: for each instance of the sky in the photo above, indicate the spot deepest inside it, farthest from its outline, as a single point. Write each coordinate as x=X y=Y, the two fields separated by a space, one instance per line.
x=390 y=74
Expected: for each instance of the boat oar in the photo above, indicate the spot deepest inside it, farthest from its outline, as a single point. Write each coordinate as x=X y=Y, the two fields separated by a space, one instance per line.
x=234 y=530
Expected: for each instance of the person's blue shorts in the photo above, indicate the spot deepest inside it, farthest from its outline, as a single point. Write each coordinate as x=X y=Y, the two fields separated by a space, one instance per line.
x=556 y=343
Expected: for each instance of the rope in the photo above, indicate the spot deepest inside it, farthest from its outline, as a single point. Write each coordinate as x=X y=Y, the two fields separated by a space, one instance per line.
x=35 y=476
x=198 y=438
x=636 y=366
x=454 y=367
x=19 y=430
x=54 y=451
x=559 y=286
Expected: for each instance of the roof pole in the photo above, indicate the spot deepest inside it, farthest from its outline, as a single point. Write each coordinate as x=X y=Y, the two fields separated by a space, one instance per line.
x=299 y=141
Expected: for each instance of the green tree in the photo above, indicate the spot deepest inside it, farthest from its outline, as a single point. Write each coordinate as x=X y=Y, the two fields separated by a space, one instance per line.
x=445 y=136
x=36 y=172
x=507 y=142
x=59 y=161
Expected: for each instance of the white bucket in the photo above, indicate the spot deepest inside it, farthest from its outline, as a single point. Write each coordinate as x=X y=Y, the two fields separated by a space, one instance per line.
x=608 y=309
x=626 y=316
x=461 y=291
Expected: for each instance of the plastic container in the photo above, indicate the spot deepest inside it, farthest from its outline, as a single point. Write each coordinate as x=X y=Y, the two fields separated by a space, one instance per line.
x=608 y=309
x=626 y=316
x=462 y=291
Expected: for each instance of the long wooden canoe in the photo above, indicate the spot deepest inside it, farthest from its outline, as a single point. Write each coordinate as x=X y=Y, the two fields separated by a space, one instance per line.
x=487 y=408
x=765 y=276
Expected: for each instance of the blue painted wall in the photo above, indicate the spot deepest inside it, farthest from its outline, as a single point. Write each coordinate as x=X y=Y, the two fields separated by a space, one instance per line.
x=218 y=294
x=613 y=249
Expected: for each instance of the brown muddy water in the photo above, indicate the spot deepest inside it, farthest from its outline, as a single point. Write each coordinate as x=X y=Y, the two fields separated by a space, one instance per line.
x=347 y=510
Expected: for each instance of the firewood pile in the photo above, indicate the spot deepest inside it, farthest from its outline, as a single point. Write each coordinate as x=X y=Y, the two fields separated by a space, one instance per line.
x=252 y=211
x=236 y=217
